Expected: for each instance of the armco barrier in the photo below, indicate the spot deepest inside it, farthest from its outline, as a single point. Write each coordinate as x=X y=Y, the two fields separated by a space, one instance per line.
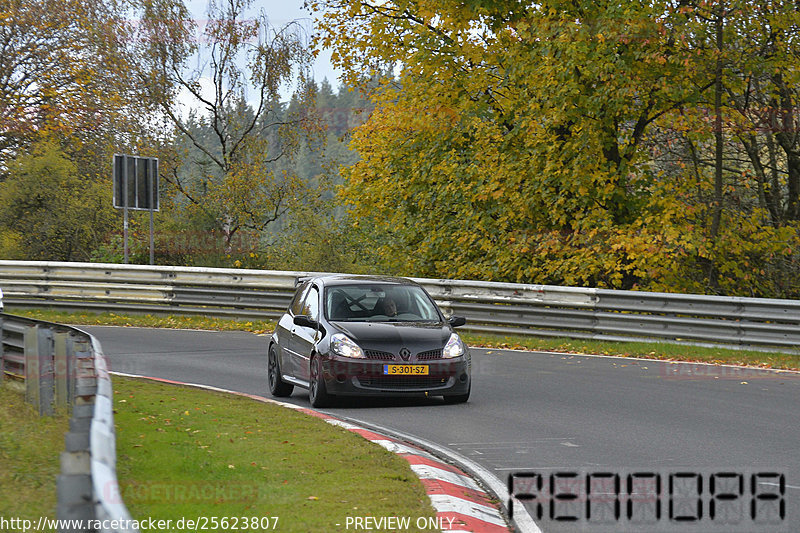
x=501 y=308
x=64 y=366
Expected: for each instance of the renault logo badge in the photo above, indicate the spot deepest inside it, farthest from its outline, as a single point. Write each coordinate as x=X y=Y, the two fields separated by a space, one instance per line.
x=405 y=354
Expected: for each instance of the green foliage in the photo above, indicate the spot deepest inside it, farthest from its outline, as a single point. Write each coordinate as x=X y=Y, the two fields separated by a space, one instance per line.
x=67 y=77
x=314 y=239
x=11 y=246
x=641 y=145
x=571 y=143
x=263 y=212
x=50 y=212
x=67 y=69
x=309 y=231
x=238 y=174
x=105 y=78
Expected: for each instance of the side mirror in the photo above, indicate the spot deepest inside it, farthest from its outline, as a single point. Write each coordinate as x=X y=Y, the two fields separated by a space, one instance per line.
x=457 y=321
x=305 y=321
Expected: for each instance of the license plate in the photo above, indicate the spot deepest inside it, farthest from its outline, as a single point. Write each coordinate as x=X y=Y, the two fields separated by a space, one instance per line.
x=405 y=370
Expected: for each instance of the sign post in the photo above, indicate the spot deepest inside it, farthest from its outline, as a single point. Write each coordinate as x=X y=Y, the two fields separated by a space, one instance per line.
x=136 y=187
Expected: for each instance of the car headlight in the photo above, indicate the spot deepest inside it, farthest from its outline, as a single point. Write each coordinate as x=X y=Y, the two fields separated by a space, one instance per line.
x=343 y=345
x=453 y=348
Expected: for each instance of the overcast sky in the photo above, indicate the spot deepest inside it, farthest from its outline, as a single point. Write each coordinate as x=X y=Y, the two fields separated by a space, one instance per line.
x=281 y=13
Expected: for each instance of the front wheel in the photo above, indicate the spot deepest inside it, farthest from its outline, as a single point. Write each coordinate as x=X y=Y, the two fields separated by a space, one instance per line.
x=317 y=392
x=277 y=387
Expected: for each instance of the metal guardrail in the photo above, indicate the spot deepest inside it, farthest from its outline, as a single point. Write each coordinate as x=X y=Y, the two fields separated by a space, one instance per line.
x=499 y=308
x=63 y=366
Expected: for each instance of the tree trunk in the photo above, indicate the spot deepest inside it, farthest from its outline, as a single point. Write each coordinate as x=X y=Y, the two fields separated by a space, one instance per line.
x=718 y=139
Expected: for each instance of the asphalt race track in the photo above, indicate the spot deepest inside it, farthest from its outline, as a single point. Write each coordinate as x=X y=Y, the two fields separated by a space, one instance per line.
x=685 y=440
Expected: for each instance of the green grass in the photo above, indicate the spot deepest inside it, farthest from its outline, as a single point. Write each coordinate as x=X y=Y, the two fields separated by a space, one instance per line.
x=30 y=448
x=88 y=318
x=662 y=351
x=184 y=452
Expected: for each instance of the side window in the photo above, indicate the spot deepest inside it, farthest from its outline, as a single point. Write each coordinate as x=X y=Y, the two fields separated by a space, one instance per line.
x=311 y=306
x=297 y=302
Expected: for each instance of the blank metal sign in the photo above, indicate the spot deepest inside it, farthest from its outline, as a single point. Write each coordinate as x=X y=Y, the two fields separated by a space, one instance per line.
x=135 y=182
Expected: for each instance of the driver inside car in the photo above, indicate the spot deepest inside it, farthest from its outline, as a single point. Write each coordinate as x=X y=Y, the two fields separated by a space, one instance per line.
x=386 y=306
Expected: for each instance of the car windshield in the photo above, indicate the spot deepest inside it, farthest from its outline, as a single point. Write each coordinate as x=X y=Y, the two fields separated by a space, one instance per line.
x=376 y=302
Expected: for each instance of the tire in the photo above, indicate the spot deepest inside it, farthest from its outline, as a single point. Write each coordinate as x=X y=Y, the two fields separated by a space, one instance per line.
x=456 y=398
x=317 y=392
x=277 y=387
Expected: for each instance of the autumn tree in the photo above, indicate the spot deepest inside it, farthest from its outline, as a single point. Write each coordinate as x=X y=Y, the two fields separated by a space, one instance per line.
x=68 y=101
x=486 y=141
x=240 y=134
x=50 y=211
x=522 y=141
x=736 y=151
x=65 y=68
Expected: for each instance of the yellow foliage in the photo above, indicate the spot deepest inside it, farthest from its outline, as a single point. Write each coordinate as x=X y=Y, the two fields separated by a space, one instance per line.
x=531 y=145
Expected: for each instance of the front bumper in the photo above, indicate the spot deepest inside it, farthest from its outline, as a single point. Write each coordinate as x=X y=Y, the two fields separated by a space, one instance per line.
x=352 y=377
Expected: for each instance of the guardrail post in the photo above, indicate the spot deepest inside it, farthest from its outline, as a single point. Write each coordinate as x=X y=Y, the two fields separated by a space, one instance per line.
x=38 y=342
x=32 y=372
x=71 y=366
x=63 y=368
x=2 y=351
x=74 y=485
x=85 y=377
x=46 y=371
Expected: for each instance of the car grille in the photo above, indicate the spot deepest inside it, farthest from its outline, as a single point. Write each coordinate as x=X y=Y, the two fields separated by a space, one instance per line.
x=375 y=354
x=403 y=382
x=431 y=354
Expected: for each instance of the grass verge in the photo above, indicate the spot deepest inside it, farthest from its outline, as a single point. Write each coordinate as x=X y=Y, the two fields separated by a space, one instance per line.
x=661 y=351
x=88 y=318
x=188 y=453
x=646 y=350
x=30 y=448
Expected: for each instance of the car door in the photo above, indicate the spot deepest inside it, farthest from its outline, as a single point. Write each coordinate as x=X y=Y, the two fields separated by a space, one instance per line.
x=285 y=330
x=304 y=338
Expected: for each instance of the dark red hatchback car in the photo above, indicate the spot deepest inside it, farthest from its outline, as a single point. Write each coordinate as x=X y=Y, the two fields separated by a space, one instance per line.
x=375 y=336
